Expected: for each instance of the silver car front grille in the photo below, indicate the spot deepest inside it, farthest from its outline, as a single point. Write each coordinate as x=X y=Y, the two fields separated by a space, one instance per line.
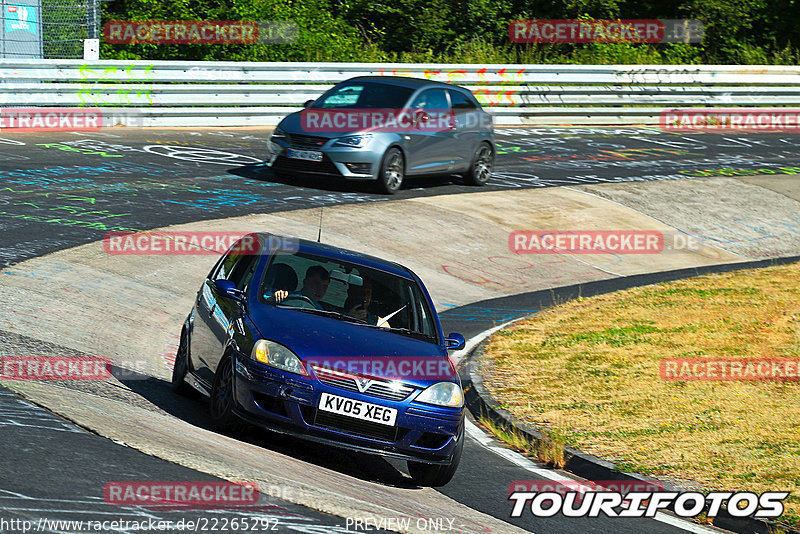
x=305 y=141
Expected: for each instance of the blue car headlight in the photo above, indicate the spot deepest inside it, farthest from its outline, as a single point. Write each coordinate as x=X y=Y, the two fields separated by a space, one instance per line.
x=278 y=356
x=354 y=141
x=443 y=394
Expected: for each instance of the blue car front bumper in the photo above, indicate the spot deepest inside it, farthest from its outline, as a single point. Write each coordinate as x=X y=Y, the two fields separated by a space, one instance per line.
x=287 y=402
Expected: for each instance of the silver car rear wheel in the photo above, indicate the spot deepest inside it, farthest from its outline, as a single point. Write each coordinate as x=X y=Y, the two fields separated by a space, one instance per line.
x=482 y=164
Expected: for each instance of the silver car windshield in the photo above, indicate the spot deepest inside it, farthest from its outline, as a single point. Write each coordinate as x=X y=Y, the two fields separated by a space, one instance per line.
x=364 y=95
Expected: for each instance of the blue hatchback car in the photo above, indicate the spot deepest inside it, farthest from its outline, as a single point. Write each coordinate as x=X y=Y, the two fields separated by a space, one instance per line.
x=328 y=345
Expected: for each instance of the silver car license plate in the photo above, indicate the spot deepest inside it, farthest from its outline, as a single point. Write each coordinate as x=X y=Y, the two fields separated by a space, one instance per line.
x=308 y=155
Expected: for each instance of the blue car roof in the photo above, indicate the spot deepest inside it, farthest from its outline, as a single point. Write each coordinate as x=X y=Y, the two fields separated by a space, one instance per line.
x=343 y=254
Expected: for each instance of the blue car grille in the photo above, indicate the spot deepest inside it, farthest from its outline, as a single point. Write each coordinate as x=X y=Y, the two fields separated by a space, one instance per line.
x=352 y=426
x=377 y=388
x=356 y=426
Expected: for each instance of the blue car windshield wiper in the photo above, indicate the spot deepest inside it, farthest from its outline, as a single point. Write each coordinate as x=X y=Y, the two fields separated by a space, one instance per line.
x=404 y=331
x=325 y=313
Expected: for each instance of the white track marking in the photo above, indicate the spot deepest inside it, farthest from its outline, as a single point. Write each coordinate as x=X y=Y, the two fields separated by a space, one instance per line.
x=476 y=340
x=685 y=525
x=593 y=266
x=489 y=443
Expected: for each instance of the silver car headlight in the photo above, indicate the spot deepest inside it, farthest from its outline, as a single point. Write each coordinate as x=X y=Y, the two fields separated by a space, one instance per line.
x=277 y=133
x=354 y=141
x=443 y=394
x=273 y=148
x=278 y=356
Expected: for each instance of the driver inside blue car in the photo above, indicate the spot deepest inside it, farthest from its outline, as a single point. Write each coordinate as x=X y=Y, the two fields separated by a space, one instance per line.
x=315 y=285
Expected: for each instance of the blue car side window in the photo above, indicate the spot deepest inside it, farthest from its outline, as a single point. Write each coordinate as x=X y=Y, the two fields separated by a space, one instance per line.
x=280 y=277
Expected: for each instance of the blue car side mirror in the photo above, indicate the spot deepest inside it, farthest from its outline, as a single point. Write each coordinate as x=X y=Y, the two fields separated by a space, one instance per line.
x=229 y=289
x=454 y=341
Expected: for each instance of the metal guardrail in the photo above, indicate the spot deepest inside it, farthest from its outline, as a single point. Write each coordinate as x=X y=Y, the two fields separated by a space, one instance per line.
x=192 y=93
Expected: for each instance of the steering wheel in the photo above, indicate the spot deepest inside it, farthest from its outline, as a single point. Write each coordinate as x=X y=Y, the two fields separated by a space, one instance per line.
x=301 y=298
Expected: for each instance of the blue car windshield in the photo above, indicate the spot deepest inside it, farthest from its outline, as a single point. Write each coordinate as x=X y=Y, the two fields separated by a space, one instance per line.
x=364 y=95
x=348 y=292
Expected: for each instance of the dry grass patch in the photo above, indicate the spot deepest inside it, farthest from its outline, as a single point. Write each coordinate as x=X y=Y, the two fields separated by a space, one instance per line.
x=588 y=370
x=549 y=449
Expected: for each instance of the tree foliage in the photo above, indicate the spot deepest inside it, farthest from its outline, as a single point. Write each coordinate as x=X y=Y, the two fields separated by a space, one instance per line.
x=737 y=31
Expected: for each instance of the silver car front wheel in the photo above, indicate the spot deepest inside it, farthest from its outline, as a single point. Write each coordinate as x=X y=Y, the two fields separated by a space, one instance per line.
x=392 y=171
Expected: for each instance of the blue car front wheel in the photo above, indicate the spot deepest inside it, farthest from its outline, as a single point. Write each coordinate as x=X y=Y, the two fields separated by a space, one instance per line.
x=436 y=475
x=221 y=401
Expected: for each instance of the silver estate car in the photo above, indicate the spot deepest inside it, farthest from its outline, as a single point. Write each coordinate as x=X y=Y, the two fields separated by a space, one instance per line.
x=385 y=129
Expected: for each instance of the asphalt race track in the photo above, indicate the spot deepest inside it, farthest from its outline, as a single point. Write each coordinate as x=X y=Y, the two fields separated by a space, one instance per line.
x=85 y=184
x=62 y=190
x=40 y=444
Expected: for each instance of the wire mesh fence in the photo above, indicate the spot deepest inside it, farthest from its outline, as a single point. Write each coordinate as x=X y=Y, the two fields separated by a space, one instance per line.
x=47 y=29
x=65 y=24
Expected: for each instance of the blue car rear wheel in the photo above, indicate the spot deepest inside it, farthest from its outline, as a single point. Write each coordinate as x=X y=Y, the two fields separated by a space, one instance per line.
x=181 y=367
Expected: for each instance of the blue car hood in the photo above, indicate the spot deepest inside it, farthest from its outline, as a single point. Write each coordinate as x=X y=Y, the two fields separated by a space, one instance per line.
x=316 y=337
